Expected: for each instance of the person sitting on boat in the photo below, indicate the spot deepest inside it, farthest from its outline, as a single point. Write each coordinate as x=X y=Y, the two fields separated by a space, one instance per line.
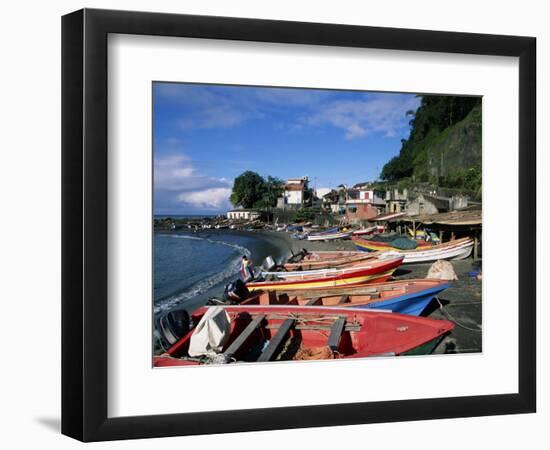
x=246 y=269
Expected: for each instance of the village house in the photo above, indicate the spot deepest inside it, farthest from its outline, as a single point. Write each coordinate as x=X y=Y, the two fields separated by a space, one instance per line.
x=334 y=202
x=294 y=194
x=396 y=201
x=318 y=198
x=244 y=214
x=431 y=204
x=363 y=203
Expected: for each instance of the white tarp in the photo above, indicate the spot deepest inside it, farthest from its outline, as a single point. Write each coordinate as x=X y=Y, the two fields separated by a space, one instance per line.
x=211 y=333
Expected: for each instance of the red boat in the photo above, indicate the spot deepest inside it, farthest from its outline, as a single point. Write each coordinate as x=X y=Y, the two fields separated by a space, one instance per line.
x=282 y=333
x=369 y=271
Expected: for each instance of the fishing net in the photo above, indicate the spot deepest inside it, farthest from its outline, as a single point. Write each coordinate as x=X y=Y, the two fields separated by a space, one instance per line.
x=383 y=237
x=404 y=243
x=312 y=353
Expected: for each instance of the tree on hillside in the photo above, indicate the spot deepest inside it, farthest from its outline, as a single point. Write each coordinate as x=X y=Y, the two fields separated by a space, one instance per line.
x=248 y=189
x=273 y=190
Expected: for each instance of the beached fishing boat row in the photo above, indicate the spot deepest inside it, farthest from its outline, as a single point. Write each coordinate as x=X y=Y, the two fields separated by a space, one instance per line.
x=307 y=232
x=452 y=250
x=316 y=305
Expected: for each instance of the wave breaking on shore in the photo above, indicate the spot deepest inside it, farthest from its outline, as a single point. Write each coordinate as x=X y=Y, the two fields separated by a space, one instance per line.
x=207 y=283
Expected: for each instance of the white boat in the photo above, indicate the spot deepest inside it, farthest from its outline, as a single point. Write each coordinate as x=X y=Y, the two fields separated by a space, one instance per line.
x=360 y=265
x=329 y=237
x=454 y=250
x=368 y=230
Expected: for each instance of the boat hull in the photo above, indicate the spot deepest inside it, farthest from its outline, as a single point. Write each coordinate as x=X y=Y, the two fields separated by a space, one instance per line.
x=329 y=237
x=321 y=284
x=318 y=260
x=409 y=297
x=453 y=250
x=361 y=334
x=412 y=305
x=375 y=246
x=327 y=278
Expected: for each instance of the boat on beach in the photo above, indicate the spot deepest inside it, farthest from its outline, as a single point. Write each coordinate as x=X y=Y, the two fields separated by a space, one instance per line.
x=404 y=297
x=325 y=259
x=329 y=236
x=452 y=250
x=364 y=272
x=367 y=245
x=284 y=333
x=368 y=230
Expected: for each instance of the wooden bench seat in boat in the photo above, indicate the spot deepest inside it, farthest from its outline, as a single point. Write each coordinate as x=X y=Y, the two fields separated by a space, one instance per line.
x=243 y=336
x=336 y=333
x=276 y=341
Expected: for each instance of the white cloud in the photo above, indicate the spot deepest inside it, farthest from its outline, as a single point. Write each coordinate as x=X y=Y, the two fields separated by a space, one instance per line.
x=214 y=198
x=216 y=107
x=171 y=172
x=381 y=113
x=204 y=107
x=178 y=185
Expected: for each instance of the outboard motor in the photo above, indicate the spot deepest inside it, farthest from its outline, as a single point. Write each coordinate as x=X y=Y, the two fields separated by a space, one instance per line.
x=173 y=325
x=297 y=257
x=268 y=264
x=236 y=292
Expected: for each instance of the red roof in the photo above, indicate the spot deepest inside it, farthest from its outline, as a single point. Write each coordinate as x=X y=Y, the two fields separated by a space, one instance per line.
x=294 y=187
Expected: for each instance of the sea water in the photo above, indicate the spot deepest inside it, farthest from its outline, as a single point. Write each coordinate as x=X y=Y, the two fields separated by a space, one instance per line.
x=188 y=267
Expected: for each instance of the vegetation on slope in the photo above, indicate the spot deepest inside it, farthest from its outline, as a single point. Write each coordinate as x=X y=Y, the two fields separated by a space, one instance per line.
x=444 y=146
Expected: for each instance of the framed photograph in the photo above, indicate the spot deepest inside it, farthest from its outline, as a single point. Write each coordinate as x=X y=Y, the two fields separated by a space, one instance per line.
x=273 y=224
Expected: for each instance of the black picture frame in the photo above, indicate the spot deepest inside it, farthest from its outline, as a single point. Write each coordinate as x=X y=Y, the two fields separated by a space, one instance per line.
x=84 y=224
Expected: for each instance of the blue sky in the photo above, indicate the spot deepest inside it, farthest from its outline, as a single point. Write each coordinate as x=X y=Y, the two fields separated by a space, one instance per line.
x=206 y=135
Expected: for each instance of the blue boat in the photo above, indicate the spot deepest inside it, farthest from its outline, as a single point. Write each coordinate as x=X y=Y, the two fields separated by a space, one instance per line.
x=412 y=304
x=405 y=296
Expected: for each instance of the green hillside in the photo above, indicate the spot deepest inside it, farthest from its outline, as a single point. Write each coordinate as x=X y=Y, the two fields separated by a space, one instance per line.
x=444 y=146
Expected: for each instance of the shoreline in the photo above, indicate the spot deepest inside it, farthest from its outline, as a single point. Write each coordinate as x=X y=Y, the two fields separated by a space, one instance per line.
x=259 y=243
